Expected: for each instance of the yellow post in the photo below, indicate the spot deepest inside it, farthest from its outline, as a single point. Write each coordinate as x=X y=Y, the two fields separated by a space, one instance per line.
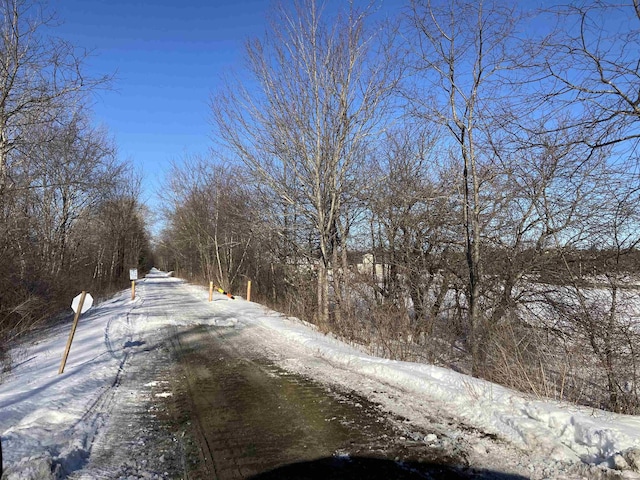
x=210 y=291
x=73 y=331
x=249 y=291
x=133 y=289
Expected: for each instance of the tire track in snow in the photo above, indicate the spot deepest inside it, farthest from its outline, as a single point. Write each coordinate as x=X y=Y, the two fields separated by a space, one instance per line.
x=133 y=440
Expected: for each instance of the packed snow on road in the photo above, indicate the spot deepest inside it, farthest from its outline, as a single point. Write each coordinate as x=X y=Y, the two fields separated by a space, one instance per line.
x=52 y=425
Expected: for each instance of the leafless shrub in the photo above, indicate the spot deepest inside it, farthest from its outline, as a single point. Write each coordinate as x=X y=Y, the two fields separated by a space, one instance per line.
x=521 y=357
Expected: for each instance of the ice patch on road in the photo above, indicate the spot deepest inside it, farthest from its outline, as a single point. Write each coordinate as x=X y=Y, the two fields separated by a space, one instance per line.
x=225 y=322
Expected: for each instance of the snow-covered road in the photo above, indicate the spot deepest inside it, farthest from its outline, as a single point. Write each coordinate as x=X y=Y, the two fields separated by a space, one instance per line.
x=109 y=414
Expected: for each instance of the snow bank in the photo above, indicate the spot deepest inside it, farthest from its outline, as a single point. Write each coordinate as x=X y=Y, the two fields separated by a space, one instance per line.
x=48 y=421
x=566 y=431
x=562 y=431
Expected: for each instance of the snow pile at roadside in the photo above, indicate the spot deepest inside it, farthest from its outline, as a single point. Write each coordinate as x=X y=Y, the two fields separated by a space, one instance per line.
x=561 y=431
x=564 y=431
x=48 y=421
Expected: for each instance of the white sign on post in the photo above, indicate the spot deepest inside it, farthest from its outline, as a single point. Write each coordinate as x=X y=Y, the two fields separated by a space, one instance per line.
x=133 y=274
x=86 y=305
x=83 y=303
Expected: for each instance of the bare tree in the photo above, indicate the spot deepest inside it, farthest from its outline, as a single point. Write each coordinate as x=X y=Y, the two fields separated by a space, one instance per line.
x=64 y=195
x=41 y=77
x=593 y=66
x=586 y=73
x=56 y=170
x=461 y=50
x=410 y=206
x=321 y=90
x=67 y=175
x=210 y=220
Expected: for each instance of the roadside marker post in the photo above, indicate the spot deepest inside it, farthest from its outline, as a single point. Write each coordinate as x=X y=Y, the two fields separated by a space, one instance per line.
x=80 y=304
x=133 y=276
x=210 y=291
x=248 y=290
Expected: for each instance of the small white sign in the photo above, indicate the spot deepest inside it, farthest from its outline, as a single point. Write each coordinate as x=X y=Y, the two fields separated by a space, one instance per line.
x=86 y=305
x=133 y=274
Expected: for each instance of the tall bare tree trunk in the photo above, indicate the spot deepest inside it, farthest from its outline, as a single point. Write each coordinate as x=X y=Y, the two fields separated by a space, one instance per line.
x=322 y=94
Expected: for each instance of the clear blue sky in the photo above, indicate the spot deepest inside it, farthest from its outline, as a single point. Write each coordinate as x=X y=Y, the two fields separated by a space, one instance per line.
x=168 y=57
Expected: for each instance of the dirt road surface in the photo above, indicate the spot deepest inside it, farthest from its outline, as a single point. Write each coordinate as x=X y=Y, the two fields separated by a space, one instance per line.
x=247 y=417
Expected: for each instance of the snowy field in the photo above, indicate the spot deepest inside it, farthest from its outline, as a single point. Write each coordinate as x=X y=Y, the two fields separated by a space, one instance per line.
x=48 y=422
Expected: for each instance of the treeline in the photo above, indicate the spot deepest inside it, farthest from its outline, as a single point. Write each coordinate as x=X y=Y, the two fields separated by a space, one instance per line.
x=483 y=155
x=70 y=218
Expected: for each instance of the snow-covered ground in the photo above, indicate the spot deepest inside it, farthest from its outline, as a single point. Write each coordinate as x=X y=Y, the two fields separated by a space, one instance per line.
x=49 y=421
